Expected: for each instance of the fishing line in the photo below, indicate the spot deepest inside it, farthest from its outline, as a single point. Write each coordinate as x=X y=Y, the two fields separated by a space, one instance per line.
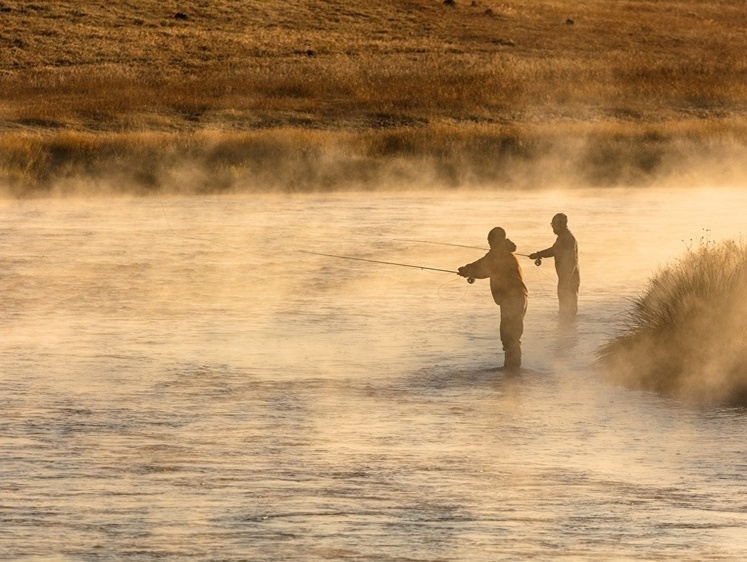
x=538 y=262
x=456 y=245
x=460 y=297
x=439 y=243
x=423 y=267
x=213 y=241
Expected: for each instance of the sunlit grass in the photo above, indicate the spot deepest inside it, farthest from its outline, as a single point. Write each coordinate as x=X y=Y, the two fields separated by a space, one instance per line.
x=396 y=156
x=485 y=85
x=686 y=335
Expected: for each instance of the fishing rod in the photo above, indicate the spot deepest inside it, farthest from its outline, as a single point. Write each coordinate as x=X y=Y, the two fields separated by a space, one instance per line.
x=470 y=280
x=440 y=243
x=457 y=245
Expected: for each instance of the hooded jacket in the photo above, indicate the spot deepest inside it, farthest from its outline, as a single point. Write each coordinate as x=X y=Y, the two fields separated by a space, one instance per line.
x=503 y=269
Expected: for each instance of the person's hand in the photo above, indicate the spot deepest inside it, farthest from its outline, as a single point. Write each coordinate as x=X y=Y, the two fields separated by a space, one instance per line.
x=460 y=271
x=534 y=256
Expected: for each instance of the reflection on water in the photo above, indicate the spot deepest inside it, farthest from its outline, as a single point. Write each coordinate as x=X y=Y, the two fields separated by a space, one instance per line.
x=179 y=381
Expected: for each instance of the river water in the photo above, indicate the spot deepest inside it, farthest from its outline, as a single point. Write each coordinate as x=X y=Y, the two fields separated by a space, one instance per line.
x=179 y=381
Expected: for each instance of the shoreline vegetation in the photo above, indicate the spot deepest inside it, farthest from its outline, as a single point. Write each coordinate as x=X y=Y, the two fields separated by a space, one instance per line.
x=209 y=97
x=685 y=335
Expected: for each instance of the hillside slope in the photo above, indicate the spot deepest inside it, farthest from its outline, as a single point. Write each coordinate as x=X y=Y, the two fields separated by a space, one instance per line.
x=477 y=74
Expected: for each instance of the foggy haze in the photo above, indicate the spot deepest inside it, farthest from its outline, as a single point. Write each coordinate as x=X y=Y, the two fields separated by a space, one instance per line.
x=175 y=367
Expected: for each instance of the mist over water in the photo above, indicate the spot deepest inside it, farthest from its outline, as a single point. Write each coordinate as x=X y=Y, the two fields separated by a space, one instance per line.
x=179 y=380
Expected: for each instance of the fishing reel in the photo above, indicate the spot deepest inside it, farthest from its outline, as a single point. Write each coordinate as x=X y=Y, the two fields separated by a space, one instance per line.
x=470 y=280
x=538 y=262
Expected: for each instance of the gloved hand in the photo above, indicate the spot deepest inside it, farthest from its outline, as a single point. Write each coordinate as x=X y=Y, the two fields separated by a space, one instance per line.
x=470 y=280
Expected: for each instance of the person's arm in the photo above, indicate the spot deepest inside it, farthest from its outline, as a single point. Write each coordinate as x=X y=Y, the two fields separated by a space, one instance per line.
x=547 y=253
x=477 y=270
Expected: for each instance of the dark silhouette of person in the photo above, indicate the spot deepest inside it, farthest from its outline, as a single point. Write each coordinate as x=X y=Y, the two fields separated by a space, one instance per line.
x=565 y=252
x=508 y=290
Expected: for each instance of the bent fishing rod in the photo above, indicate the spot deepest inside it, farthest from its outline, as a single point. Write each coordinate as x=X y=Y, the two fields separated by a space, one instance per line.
x=470 y=280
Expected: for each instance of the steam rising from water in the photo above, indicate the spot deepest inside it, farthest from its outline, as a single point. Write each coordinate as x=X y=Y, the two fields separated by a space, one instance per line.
x=435 y=157
x=686 y=333
x=179 y=381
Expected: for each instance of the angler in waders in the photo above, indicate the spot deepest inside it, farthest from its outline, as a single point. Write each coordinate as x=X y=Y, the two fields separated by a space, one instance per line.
x=508 y=289
x=565 y=252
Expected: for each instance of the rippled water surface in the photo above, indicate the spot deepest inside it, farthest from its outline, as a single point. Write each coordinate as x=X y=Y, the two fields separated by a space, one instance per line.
x=179 y=381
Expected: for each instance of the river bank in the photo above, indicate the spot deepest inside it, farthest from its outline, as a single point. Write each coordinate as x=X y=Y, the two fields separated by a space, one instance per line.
x=308 y=95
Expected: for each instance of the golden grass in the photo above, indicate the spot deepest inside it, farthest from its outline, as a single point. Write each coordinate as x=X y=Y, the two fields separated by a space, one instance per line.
x=445 y=155
x=685 y=335
x=413 y=75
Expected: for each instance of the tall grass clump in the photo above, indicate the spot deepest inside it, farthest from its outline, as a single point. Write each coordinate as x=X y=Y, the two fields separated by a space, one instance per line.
x=686 y=335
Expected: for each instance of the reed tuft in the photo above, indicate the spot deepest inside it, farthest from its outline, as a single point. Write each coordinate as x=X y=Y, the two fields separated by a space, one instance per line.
x=686 y=335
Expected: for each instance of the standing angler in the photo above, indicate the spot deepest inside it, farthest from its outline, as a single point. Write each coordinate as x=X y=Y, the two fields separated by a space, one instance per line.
x=565 y=252
x=508 y=289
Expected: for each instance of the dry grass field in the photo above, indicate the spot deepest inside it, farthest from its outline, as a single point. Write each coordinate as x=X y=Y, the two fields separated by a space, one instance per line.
x=219 y=95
